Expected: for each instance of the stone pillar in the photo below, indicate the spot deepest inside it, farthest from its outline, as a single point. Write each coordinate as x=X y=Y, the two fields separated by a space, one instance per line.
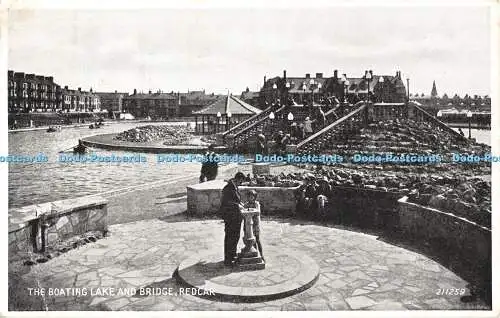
x=249 y=258
x=261 y=169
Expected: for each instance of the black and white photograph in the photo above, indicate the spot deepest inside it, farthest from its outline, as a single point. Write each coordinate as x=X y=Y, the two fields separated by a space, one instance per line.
x=220 y=156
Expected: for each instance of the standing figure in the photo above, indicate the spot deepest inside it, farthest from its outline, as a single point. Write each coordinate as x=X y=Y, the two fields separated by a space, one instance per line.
x=261 y=146
x=210 y=166
x=230 y=209
x=308 y=127
x=252 y=203
x=321 y=119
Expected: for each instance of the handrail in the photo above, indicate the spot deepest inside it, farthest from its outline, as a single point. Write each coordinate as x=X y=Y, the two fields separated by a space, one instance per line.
x=245 y=122
x=335 y=123
x=438 y=122
x=258 y=122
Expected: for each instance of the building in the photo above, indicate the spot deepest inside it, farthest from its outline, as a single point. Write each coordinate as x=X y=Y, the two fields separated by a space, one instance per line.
x=76 y=100
x=468 y=102
x=252 y=98
x=112 y=102
x=223 y=114
x=193 y=101
x=308 y=89
x=157 y=105
x=32 y=93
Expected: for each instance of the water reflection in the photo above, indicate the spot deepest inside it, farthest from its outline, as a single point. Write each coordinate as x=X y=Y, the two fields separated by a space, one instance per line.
x=44 y=182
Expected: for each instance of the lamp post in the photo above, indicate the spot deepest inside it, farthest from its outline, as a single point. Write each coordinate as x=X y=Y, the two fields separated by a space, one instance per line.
x=275 y=88
x=319 y=87
x=228 y=119
x=346 y=85
x=469 y=116
x=368 y=77
x=218 y=122
x=304 y=86
x=287 y=86
x=381 y=81
x=311 y=87
x=290 y=119
x=271 y=118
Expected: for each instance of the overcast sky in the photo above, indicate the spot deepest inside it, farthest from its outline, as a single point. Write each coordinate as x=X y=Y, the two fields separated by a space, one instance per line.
x=230 y=49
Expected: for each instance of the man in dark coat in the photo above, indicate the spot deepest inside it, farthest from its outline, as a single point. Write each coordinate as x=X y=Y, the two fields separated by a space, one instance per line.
x=230 y=209
x=209 y=166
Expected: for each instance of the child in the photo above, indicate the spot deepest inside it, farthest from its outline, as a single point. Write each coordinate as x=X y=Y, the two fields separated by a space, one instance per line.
x=252 y=203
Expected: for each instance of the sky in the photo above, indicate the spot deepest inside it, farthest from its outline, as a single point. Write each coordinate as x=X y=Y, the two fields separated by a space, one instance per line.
x=229 y=49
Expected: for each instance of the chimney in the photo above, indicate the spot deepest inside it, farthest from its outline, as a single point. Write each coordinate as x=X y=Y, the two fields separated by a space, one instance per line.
x=91 y=89
x=264 y=80
x=149 y=92
x=116 y=91
x=371 y=73
x=335 y=73
x=344 y=76
x=79 y=89
x=308 y=75
x=135 y=91
x=284 y=74
x=366 y=74
x=66 y=87
x=319 y=75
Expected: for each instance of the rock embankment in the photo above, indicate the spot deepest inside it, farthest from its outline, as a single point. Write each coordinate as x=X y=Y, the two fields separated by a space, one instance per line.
x=452 y=191
x=172 y=135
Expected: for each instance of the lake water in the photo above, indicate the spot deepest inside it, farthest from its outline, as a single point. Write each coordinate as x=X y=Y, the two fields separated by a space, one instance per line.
x=35 y=183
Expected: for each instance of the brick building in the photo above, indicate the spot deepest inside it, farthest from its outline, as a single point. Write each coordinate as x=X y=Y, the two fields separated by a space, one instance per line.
x=76 y=100
x=157 y=105
x=32 y=93
x=28 y=93
x=112 y=102
x=308 y=89
x=193 y=101
x=252 y=98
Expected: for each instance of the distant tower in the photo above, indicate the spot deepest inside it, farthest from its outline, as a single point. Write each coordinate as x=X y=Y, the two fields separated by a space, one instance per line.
x=434 y=92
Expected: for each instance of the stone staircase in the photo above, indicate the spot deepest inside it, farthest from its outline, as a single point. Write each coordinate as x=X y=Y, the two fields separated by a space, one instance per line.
x=335 y=132
x=419 y=133
x=247 y=123
x=243 y=140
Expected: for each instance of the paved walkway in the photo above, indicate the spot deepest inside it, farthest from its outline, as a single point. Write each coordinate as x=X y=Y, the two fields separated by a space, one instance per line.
x=357 y=271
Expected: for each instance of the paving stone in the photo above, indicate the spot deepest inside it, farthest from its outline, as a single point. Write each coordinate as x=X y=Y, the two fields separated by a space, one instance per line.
x=146 y=253
x=117 y=303
x=97 y=300
x=360 y=292
x=388 y=305
x=338 y=283
x=359 y=302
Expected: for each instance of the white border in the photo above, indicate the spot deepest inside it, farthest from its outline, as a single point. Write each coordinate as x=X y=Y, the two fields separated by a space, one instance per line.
x=207 y=4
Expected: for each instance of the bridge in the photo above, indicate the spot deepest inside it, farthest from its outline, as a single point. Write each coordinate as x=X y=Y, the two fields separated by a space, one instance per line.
x=342 y=121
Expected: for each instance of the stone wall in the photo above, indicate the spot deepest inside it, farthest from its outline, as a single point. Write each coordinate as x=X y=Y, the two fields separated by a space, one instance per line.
x=204 y=199
x=62 y=220
x=364 y=208
x=457 y=241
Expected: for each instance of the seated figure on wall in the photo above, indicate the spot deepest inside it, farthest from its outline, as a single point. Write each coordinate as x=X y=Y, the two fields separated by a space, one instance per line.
x=323 y=192
x=306 y=196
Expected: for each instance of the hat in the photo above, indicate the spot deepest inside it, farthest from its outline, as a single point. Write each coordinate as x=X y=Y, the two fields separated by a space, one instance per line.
x=239 y=175
x=252 y=192
x=307 y=118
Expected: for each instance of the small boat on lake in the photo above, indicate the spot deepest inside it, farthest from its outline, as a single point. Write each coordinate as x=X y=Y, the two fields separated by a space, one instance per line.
x=54 y=129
